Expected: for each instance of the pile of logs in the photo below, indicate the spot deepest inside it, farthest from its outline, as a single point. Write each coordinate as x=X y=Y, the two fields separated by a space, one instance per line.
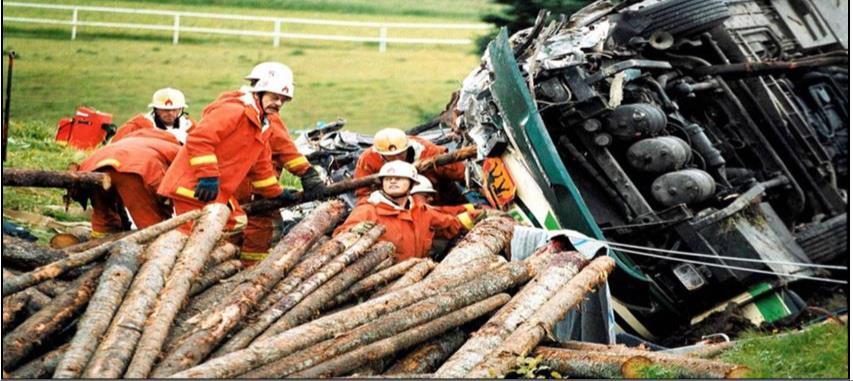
x=158 y=303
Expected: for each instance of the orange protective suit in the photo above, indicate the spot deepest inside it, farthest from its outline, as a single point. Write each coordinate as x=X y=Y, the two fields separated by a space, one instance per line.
x=410 y=229
x=146 y=121
x=371 y=161
x=136 y=166
x=231 y=143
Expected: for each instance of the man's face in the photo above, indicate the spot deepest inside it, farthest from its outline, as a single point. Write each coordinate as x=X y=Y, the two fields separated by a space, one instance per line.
x=396 y=186
x=400 y=156
x=272 y=103
x=168 y=117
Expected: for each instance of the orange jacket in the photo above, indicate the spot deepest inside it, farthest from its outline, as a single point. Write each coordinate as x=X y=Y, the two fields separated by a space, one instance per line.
x=146 y=153
x=231 y=142
x=370 y=162
x=146 y=121
x=284 y=152
x=410 y=229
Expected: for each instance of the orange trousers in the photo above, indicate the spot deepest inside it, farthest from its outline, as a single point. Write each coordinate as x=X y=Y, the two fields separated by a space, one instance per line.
x=127 y=191
x=236 y=221
x=257 y=237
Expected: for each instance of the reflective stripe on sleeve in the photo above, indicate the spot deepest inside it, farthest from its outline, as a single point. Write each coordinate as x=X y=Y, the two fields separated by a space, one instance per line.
x=206 y=159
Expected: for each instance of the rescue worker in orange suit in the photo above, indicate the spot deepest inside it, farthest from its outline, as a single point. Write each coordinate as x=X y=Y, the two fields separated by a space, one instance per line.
x=136 y=165
x=424 y=193
x=410 y=226
x=230 y=144
x=391 y=144
x=257 y=236
x=167 y=114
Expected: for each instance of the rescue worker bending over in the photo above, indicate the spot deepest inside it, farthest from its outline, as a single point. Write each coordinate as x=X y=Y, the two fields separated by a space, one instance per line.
x=136 y=165
x=392 y=144
x=167 y=114
x=257 y=236
x=408 y=225
x=230 y=144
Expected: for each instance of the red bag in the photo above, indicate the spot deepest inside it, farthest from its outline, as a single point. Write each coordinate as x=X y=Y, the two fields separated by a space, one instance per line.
x=86 y=130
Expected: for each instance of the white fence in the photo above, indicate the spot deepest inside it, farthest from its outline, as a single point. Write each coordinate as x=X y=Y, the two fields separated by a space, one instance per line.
x=176 y=28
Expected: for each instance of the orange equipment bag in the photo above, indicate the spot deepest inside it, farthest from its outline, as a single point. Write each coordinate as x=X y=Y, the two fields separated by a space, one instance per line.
x=86 y=130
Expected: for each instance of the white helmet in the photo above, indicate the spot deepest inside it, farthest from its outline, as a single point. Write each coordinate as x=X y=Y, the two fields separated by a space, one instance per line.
x=276 y=84
x=264 y=69
x=423 y=186
x=399 y=168
x=168 y=99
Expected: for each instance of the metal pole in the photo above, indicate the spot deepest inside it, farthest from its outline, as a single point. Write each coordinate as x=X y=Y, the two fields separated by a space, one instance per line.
x=74 y=23
x=177 y=29
x=277 y=39
x=383 y=39
x=7 y=101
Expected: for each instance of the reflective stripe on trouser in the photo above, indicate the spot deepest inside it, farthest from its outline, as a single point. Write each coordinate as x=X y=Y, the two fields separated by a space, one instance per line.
x=236 y=221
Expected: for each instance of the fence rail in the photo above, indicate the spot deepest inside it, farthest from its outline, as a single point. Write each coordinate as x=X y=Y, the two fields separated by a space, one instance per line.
x=277 y=22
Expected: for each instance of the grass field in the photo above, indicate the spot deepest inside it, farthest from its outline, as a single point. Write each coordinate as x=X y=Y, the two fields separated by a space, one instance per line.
x=117 y=70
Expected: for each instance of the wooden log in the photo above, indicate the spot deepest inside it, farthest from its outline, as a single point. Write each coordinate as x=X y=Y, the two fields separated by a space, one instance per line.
x=308 y=267
x=20 y=177
x=372 y=282
x=118 y=273
x=223 y=252
x=312 y=305
x=61 y=241
x=395 y=322
x=491 y=231
x=407 y=339
x=350 y=185
x=52 y=287
x=531 y=332
x=206 y=232
x=524 y=304
x=25 y=255
x=38 y=300
x=629 y=363
x=414 y=275
x=83 y=246
x=55 y=269
x=41 y=367
x=13 y=307
x=335 y=266
x=262 y=352
x=216 y=274
x=215 y=324
x=382 y=266
x=18 y=343
x=428 y=357
x=115 y=350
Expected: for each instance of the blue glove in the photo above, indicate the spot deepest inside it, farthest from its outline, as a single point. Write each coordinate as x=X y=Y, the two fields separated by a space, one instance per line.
x=207 y=189
x=288 y=196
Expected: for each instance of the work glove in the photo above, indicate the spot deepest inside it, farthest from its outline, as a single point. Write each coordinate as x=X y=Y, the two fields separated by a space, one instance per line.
x=287 y=196
x=312 y=184
x=207 y=189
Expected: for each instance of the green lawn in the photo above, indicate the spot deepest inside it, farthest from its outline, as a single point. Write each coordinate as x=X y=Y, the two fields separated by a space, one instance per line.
x=116 y=71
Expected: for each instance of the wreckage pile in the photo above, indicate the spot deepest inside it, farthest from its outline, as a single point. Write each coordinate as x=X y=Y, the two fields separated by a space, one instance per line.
x=156 y=303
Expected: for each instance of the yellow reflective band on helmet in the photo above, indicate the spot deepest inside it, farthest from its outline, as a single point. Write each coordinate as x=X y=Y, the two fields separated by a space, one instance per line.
x=466 y=220
x=470 y=207
x=96 y=234
x=206 y=159
x=185 y=192
x=296 y=163
x=252 y=256
x=265 y=182
x=111 y=162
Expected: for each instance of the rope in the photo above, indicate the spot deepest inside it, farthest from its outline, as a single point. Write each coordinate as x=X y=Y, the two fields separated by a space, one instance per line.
x=746 y=269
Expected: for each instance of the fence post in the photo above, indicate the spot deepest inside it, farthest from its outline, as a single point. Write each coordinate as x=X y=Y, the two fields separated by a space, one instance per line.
x=277 y=39
x=383 y=39
x=177 y=29
x=74 y=23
